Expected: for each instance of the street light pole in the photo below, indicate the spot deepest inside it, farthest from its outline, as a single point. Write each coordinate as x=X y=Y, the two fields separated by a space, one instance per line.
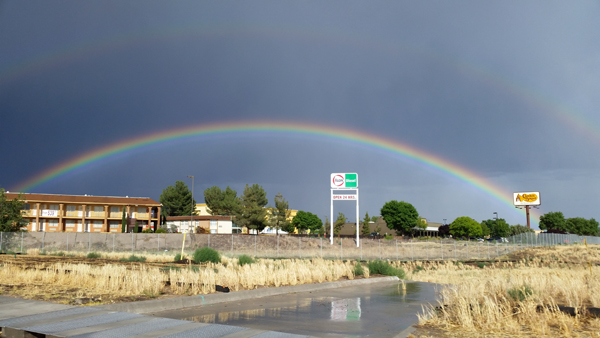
x=495 y=213
x=193 y=206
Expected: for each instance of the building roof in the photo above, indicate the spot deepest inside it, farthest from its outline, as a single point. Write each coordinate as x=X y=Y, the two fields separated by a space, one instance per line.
x=197 y=218
x=27 y=197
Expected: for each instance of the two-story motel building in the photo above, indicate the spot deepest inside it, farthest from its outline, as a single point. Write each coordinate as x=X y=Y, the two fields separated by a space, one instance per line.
x=75 y=213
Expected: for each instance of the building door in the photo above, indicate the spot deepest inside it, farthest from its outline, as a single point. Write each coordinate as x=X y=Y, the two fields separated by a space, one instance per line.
x=79 y=227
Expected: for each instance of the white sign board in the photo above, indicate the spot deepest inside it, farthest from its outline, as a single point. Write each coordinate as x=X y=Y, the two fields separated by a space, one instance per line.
x=526 y=198
x=344 y=181
x=344 y=197
x=49 y=213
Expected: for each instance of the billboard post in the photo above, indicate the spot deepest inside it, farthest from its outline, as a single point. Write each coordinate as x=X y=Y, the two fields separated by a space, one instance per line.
x=344 y=181
x=527 y=199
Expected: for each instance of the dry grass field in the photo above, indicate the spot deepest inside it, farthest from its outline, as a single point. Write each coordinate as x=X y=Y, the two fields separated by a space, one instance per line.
x=79 y=280
x=517 y=296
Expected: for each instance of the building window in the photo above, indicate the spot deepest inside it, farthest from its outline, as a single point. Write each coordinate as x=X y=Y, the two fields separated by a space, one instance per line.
x=114 y=225
x=114 y=210
x=98 y=224
x=42 y=221
x=71 y=223
x=71 y=208
x=53 y=223
x=26 y=206
x=98 y=209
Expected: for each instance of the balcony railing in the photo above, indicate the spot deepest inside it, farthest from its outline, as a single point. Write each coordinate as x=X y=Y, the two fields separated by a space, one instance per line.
x=116 y=215
x=74 y=213
x=141 y=215
x=94 y=214
x=27 y=213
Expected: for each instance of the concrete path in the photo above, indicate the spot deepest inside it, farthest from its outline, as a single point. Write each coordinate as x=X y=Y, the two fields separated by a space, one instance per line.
x=27 y=318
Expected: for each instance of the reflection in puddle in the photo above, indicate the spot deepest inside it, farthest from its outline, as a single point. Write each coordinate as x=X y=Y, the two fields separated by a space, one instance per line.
x=340 y=310
x=345 y=309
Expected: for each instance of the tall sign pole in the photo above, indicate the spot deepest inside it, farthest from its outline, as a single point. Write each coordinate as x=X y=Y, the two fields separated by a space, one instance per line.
x=345 y=182
x=527 y=199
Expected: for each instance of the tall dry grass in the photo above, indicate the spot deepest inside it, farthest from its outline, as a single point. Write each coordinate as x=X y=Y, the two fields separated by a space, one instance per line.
x=114 y=281
x=514 y=298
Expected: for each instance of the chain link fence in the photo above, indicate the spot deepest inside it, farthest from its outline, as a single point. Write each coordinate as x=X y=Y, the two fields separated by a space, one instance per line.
x=283 y=246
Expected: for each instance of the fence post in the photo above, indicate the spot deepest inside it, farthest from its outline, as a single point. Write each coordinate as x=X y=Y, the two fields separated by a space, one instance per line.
x=43 y=238
x=209 y=240
x=488 y=250
x=67 y=242
x=442 y=247
x=341 y=248
x=255 y=246
x=21 y=243
x=361 y=258
x=427 y=249
x=478 y=254
x=114 y=234
x=232 y=244
x=455 y=254
x=157 y=243
x=89 y=241
x=321 y=246
x=497 y=254
x=278 y=246
x=412 y=256
x=396 y=251
x=299 y=251
x=467 y=249
x=380 y=249
x=132 y=245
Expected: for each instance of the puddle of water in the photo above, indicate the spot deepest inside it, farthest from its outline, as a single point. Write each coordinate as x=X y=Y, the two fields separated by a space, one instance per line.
x=378 y=310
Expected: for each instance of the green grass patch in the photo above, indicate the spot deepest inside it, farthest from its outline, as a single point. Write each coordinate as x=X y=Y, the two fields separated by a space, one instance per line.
x=358 y=269
x=384 y=268
x=58 y=253
x=245 y=259
x=521 y=293
x=93 y=255
x=481 y=265
x=206 y=254
x=134 y=258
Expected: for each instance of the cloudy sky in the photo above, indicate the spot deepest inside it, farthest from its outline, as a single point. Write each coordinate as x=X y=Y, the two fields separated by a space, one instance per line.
x=505 y=90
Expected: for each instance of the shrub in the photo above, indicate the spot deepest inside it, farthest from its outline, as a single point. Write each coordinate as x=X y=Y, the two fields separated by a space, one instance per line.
x=161 y=231
x=146 y=231
x=384 y=268
x=389 y=237
x=418 y=268
x=59 y=253
x=520 y=294
x=134 y=258
x=245 y=259
x=358 y=270
x=178 y=257
x=481 y=265
x=93 y=255
x=206 y=254
x=42 y=253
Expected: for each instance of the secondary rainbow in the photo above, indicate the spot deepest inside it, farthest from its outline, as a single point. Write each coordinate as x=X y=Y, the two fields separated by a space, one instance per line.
x=340 y=134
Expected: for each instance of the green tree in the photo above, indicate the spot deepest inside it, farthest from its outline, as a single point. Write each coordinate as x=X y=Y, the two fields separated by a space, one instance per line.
x=519 y=229
x=366 y=230
x=554 y=220
x=124 y=221
x=280 y=213
x=327 y=225
x=307 y=221
x=465 y=227
x=11 y=218
x=485 y=231
x=374 y=218
x=137 y=227
x=252 y=213
x=582 y=226
x=339 y=223
x=498 y=228
x=221 y=202
x=177 y=200
x=401 y=216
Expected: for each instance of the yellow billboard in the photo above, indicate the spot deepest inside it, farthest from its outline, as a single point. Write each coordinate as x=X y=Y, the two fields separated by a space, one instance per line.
x=526 y=198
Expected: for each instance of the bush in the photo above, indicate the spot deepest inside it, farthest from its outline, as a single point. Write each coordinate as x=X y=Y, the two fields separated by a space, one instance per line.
x=93 y=255
x=146 y=231
x=358 y=269
x=520 y=294
x=389 y=237
x=245 y=259
x=206 y=254
x=134 y=258
x=59 y=253
x=161 y=231
x=481 y=265
x=384 y=268
x=178 y=257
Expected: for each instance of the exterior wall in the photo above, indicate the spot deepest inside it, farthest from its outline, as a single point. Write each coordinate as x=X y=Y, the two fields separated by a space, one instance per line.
x=212 y=224
x=69 y=213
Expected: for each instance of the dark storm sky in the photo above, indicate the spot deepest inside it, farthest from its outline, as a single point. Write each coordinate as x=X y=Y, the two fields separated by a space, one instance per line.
x=506 y=89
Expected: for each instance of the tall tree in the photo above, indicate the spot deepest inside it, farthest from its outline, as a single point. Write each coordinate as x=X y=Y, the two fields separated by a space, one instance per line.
x=221 y=202
x=401 y=216
x=366 y=230
x=252 y=213
x=582 y=226
x=280 y=213
x=519 y=229
x=498 y=228
x=339 y=223
x=11 y=218
x=554 y=220
x=124 y=221
x=305 y=220
x=177 y=200
x=465 y=227
x=327 y=225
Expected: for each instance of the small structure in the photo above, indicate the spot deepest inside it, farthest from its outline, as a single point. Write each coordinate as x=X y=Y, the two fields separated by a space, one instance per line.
x=210 y=224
